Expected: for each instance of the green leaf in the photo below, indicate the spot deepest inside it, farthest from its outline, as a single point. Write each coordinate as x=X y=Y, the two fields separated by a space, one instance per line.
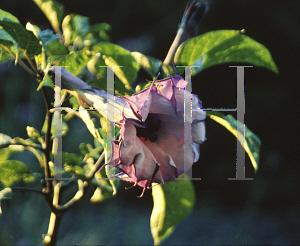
x=47 y=81
x=85 y=116
x=149 y=64
x=5 y=39
x=223 y=46
x=13 y=171
x=33 y=133
x=5 y=16
x=143 y=86
x=76 y=170
x=53 y=10
x=47 y=36
x=75 y=61
x=71 y=159
x=56 y=49
x=252 y=143
x=125 y=66
x=23 y=38
x=65 y=127
x=172 y=203
x=5 y=194
x=74 y=27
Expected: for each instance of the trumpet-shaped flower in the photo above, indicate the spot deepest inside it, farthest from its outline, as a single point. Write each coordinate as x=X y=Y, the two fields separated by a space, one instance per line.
x=158 y=151
x=156 y=143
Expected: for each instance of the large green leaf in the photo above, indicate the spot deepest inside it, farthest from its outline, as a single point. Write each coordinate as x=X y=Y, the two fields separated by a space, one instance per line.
x=223 y=46
x=53 y=10
x=13 y=171
x=125 y=66
x=17 y=34
x=252 y=143
x=75 y=61
x=172 y=202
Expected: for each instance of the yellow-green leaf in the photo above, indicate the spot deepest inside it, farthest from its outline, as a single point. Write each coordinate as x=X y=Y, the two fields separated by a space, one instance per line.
x=172 y=203
x=12 y=171
x=252 y=143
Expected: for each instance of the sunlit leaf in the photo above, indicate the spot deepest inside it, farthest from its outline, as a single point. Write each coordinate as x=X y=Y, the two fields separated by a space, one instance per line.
x=125 y=66
x=84 y=115
x=252 y=143
x=74 y=27
x=223 y=46
x=13 y=171
x=172 y=203
x=150 y=64
x=75 y=61
x=53 y=10
x=4 y=139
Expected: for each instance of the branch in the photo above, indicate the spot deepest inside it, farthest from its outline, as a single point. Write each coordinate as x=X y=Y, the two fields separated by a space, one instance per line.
x=79 y=194
x=191 y=19
x=96 y=167
x=50 y=237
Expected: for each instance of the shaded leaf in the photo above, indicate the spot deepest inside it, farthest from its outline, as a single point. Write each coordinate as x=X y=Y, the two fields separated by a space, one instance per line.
x=56 y=49
x=12 y=171
x=47 y=36
x=53 y=10
x=223 y=46
x=71 y=159
x=47 y=81
x=5 y=39
x=64 y=126
x=252 y=143
x=18 y=34
x=172 y=203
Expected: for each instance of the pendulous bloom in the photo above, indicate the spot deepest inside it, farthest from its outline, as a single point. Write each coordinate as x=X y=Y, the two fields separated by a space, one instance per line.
x=157 y=151
x=152 y=147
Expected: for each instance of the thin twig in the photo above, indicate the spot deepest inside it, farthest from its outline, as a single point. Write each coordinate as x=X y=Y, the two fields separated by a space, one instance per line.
x=27 y=69
x=30 y=63
x=47 y=144
x=28 y=189
x=79 y=194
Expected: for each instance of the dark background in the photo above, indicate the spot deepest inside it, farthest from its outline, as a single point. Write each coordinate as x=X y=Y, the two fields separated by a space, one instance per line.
x=262 y=211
